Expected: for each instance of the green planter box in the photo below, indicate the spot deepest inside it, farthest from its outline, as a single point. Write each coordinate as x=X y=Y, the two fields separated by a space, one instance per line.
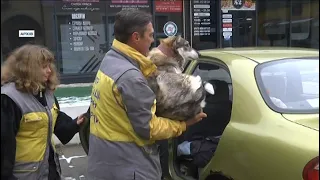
x=62 y=92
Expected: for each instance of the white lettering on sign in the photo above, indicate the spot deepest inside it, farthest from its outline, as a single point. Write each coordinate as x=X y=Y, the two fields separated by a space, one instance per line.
x=77 y=28
x=226 y=29
x=78 y=49
x=226 y=20
x=86 y=23
x=227 y=16
x=87 y=28
x=26 y=33
x=79 y=33
x=77 y=38
x=77 y=23
x=78 y=43
x=92 y=33
x=201 y=6
x=78 y=16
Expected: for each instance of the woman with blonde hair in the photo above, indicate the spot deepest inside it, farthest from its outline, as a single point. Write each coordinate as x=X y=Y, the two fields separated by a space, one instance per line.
x=30 y=115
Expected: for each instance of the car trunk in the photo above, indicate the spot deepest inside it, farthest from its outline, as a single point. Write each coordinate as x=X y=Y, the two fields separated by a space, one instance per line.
x=308 y=120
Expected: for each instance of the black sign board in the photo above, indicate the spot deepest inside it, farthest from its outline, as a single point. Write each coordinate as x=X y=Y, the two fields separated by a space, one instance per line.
x=202 y=17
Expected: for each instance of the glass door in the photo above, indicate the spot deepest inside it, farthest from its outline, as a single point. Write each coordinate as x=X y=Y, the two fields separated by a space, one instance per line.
x=238 y=20
x=204 y=31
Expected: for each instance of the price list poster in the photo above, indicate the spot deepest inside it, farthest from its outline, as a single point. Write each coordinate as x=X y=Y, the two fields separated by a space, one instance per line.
x=82 y=35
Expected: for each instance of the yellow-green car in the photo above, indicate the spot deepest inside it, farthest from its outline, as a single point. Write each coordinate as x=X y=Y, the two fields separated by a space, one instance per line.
x=266 y=108
x=265 y=112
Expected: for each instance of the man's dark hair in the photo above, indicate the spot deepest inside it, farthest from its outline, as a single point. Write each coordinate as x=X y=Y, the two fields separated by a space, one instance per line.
x=130 y=21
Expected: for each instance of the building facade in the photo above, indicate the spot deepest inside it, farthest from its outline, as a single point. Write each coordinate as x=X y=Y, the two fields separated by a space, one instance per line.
x=80 y=32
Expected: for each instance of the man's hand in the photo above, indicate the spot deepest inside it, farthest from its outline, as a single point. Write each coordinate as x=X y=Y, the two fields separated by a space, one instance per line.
x=80 y=119
x=196 y=119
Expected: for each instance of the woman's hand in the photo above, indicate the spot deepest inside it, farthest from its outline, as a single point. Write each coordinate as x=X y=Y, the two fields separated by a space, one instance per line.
x=80 y=119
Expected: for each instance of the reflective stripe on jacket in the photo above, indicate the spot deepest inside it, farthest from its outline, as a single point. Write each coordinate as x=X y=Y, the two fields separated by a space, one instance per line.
x=34 y=136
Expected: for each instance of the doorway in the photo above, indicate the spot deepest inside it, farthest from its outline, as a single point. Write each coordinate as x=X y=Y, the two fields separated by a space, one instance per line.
x=243 y=33
x=10 y=39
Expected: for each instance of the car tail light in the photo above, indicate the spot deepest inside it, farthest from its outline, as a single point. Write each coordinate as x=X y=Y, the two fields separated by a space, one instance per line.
x=311 y=170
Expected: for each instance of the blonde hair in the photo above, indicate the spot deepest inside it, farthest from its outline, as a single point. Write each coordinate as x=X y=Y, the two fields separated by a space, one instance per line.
x=24 y=66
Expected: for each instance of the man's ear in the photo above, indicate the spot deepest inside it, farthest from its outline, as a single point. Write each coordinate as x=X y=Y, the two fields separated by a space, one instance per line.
x=135 y=36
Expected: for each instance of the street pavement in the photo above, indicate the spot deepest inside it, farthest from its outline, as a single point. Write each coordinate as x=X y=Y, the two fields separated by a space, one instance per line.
x=73 y=112
x=73 y=161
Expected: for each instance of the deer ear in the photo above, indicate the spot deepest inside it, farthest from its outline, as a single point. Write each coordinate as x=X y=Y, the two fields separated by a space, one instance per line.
x=176 y=40
x=161 y=40
x=169 y=40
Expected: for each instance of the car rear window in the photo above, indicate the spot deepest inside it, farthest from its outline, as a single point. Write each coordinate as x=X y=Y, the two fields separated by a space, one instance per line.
x=290 y=85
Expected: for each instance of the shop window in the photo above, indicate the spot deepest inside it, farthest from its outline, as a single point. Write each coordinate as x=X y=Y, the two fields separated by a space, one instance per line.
x=304 y=24
x=289 y=23
x=49 y=30
x=85 y=32
x=238 y=23
x=243 y=29
x=160 y=20
x=204 y=24
x=113 y=7
x=81 y=36
x=273 y=22
x=168 y=19
x=16 y=17
x=110 y=30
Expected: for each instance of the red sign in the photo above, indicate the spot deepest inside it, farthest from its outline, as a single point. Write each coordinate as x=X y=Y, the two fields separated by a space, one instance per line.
x=168 y=6
x=228 y=25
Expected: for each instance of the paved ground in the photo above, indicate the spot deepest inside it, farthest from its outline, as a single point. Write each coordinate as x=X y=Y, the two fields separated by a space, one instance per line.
x=73 y=112
x=73 y=161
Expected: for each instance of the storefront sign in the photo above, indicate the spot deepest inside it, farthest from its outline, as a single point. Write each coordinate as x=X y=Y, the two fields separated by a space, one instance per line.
x=227 y=35
x=168 y=6
x=231 y=5
x=170 y=29
x=26 y=33
x=201 y=17
x=78 y=16
x=227 y=25
x=115 y=6
x=226 y=20
x=80 y=5
x=226 y=29
x=81 y=42
x=79 y=30
x=227 y=16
